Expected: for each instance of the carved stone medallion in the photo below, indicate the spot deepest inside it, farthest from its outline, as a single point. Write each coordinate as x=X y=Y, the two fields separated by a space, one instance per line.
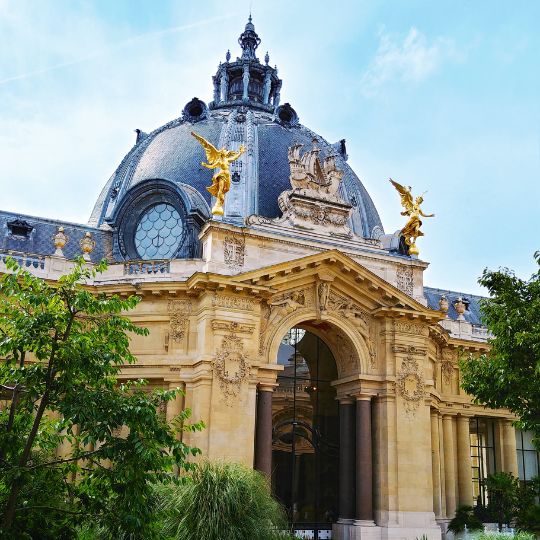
x=231 y=366
x=409 y=383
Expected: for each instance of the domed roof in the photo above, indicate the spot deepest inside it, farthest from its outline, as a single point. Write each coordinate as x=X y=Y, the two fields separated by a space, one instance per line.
x=254 y=119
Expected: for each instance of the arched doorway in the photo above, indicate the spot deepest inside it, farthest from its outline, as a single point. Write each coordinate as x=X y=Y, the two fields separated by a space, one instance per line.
x=305 y=433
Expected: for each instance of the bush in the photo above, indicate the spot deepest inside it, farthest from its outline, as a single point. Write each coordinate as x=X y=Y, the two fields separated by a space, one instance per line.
x=464 y=517
x=221 y=500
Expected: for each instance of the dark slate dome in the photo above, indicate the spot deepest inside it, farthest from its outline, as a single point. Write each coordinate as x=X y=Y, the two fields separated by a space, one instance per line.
x=246 y=110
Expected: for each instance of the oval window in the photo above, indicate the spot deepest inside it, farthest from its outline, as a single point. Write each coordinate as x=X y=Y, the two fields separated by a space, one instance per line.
x=159 y=232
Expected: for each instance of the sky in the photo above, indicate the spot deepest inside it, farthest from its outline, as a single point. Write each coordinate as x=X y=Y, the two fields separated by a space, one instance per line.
x=443 y=96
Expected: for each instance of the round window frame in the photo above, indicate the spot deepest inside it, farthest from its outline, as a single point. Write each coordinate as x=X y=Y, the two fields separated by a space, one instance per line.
x=147 y=210
x=136 y=205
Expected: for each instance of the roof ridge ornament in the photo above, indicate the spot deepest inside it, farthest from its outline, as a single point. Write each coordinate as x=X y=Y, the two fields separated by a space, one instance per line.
x=313 y=203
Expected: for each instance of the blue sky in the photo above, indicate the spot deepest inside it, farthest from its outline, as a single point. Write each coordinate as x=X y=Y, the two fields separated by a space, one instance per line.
x=443 y=96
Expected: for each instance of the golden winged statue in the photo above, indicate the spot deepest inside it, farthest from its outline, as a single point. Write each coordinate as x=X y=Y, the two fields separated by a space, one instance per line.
x=411 y=231
x=221 y=181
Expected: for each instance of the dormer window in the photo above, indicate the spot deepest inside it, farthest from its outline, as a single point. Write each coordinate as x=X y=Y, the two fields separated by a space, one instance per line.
x=20 y=228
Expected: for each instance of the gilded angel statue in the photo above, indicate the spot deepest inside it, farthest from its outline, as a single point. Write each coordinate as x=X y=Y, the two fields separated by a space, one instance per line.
x=219 y=159
x=411 y=231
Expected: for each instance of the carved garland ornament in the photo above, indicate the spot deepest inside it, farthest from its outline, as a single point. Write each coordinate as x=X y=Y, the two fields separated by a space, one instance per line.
x=230 y=365
x=179 y=311
x=409 y=383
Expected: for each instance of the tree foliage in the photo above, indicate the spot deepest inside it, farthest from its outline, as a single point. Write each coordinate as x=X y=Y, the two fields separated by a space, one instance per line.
x=509 y=375
x=62 y=347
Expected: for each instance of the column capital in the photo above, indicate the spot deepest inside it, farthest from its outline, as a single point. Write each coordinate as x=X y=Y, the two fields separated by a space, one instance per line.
x=267 y=387
x=362 y=396
x=464 y=417
x=346 y=400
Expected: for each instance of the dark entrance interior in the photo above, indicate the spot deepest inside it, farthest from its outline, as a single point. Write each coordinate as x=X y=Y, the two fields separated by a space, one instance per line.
x=305 y=439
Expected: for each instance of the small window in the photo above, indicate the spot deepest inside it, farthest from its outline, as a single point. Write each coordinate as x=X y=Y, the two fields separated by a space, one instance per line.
x=20 y=228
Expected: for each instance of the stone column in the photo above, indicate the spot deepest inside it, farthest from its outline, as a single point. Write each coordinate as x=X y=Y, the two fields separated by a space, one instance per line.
x=346 y=460
x=449 y=467
x=443 y=479
x=510 y=452
x=263 y=435
x=464 y=461
x=364 y=462
x=436 y=464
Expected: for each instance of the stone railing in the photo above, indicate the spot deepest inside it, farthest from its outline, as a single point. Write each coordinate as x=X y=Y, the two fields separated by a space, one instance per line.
x=26 y=260
x=147 y=267
x=480 y=332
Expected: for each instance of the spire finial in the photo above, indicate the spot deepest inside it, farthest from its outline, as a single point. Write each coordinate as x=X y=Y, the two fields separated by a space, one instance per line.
x=249 y=41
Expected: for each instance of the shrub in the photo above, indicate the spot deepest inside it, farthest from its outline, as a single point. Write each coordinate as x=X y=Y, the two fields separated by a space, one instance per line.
x=221 y=500
x=464 y=517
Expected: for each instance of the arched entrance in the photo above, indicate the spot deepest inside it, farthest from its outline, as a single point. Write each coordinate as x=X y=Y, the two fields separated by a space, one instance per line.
x=305 y=433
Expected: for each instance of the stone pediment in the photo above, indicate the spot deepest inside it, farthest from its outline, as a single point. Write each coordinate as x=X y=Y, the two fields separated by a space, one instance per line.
x=349 y=284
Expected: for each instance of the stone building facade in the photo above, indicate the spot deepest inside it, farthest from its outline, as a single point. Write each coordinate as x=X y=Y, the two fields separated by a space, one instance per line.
x=299 y=331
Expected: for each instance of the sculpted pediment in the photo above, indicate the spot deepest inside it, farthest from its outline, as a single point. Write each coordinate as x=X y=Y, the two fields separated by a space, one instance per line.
x=332 y=281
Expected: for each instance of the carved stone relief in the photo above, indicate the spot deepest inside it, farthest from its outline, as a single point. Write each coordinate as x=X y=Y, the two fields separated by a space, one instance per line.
x=447 y=366
x=405 y=279
x=179 y=311
x=323 y=293
x=233 y=302
x=234 y=250
x=409 y=382
x=230 y=365
x=233 y=327
x=279 y=307
x=314 y=203
x=347 y=358
x=347 y=308
x=406 y=327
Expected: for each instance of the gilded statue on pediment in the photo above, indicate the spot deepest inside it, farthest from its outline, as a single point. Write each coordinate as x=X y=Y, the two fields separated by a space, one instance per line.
x=411 y=231
x=220 y=160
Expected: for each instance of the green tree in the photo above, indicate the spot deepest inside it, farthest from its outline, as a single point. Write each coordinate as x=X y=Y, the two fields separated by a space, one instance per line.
x=509 y=375
x=62 y=346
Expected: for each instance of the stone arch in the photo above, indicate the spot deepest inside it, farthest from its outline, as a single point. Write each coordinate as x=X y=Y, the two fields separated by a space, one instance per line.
x=347 y=344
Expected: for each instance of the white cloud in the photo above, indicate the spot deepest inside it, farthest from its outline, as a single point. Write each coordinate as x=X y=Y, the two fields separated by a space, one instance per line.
x=410 y=61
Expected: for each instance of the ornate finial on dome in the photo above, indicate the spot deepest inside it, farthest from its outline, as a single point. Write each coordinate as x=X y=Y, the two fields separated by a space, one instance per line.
x=249 y=41
x=228 y=56
x=266 y=58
